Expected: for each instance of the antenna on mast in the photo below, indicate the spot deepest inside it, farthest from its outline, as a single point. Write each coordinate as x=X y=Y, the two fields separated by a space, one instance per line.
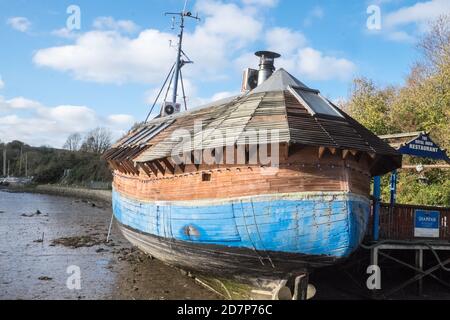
x=182 y=59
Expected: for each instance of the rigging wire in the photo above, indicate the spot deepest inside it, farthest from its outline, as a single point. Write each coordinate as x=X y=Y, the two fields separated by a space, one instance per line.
x=160 y=91
x=170 y=84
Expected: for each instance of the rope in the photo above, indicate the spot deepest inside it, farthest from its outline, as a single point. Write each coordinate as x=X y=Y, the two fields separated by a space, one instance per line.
x=110 y=226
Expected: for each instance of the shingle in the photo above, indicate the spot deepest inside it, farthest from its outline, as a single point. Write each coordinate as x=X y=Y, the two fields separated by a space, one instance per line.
x=270 y=106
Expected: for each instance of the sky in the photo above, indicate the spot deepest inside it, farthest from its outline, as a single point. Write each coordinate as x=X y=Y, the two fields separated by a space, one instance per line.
x=71 y=66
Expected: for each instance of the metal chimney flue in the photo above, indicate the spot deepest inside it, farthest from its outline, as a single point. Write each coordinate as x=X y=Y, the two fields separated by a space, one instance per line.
x=266 y=64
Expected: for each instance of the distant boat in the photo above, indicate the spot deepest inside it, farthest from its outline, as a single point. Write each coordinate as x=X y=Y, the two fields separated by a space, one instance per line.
x=15 y=181
x=250 y=219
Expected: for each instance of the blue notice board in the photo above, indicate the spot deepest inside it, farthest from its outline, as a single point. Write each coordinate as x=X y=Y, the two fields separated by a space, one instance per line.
x=426 y=223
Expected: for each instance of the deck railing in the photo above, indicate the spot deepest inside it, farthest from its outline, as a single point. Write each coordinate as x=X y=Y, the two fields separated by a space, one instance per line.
x=397 y=222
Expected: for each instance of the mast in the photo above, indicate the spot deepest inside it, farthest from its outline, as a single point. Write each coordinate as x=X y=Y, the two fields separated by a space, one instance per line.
x=20 y=161
x=26 y=164
x=4 y=161
x=179 y=63
x=175 y=75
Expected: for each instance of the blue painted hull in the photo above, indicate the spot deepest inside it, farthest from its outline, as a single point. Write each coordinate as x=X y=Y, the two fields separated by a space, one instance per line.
x=309 y=229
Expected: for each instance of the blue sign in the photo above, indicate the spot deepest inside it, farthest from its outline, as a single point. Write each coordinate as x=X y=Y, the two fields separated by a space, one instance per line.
x=424 y=147
x=427 y=223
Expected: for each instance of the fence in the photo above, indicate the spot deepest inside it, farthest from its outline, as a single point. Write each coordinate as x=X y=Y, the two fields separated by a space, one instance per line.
x=397 y=223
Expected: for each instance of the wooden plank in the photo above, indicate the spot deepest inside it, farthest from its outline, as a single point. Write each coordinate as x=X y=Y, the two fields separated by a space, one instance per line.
x=146 y=169
x=152 y=168
x=345 y=154
x=159 y=167
x=169 y=165
x=321 y=152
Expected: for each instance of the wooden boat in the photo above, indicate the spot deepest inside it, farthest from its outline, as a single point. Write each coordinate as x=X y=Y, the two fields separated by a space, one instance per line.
x=249 y=218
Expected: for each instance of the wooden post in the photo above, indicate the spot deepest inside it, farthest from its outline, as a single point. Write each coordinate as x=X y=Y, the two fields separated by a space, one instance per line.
x=301 y=287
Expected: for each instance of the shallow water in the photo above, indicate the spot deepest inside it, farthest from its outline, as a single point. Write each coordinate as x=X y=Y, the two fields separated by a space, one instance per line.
x=32 y=267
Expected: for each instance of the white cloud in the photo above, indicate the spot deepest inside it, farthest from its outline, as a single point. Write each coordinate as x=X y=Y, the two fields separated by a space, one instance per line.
x=263 y=3
x=107 y=56
x=64 y=33
x=37 y=124
x=18 y=103
x=21 y=24
x=2 y=83
x=419 y=13
x=316 y=13
x=109 y=23
x=123 y=120
x=408 y=22
x=317 y=66
x=298 y=58
x=219 y=43
x=284 y=40
x=400 y=36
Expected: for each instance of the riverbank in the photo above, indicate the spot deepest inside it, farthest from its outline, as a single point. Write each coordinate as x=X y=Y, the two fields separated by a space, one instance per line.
x=66 y=191
x=46 y=240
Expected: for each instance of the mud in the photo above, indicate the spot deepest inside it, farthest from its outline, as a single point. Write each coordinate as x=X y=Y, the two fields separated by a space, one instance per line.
x=78 y=242
x=43 y=236
x=37 y=252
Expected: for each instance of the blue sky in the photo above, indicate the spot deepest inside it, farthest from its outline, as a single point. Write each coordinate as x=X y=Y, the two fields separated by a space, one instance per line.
x=55 y=81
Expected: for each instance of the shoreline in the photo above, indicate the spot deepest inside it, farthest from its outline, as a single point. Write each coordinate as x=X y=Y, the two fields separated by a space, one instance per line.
x=227 y=289
x=66 y=191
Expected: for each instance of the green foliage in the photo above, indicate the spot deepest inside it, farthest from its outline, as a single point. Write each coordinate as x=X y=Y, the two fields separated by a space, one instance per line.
x=422 y=104
x=370 y=105
x=47 y=165
x=430 y=188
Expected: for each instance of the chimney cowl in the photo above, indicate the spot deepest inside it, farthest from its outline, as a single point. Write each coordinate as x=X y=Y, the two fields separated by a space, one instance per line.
x=266 y=64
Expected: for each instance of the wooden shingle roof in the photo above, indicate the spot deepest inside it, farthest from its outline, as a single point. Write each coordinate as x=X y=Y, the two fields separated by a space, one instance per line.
x=278 y=106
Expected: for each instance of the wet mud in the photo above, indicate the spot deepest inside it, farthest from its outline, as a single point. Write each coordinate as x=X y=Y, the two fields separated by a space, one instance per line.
x=43 y=238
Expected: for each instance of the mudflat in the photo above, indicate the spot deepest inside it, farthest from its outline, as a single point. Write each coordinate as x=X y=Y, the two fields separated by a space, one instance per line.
x=54 y=247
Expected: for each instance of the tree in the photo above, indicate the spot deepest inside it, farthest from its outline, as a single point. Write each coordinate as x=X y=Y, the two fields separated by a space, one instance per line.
x=73 y=142
x=97 y=140
x=371 y=105
x=435 y=45
x=421 y=104
x=424 y=102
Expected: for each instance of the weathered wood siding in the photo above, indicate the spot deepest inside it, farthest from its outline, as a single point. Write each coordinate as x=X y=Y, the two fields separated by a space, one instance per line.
x=301 y=172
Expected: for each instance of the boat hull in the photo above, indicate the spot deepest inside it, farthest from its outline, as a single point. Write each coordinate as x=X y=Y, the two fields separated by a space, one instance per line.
x=262 y=236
